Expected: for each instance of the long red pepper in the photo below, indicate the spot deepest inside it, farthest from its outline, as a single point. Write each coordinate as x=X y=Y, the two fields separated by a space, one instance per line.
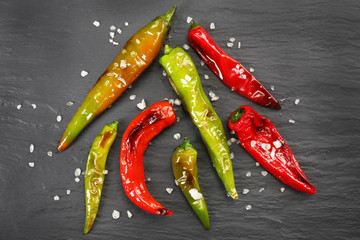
x=136 y=138
x=260 y=138
x=230 y=71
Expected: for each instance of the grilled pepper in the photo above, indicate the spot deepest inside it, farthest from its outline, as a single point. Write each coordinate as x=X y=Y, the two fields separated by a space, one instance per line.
x=230 y=71
x=94 y=174
x=137 y=54
x=186 y=177
x=136 y=138
x=261 y=139
x=185 y=80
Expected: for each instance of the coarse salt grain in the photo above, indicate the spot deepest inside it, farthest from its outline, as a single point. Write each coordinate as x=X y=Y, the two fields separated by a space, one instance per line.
x=248 y=174
x=49 y=153
x=77 y=172
x=277 y=144
x=129 y=214
x=105 y=171
x=292 y=121
x=252 y=70
x=141 y=105
x=84 y=73
x=177 y=136
x=68 y=192
x=213 y=99
x=96 y=23
x=282 y=189
x=195 y=194
x=239 y=44
x=58 y=118
x=171 y=101
x=31 y=164
x=115 y=214
x=111 y=40
x=232 y=39
x=265 y=146
x=77 y=179
x=33 y=105
x=148 y=179
x=272 y=154
x=112 y=28
x=230 y=44
x=188 y=20
x=18 y=106
x=261 y=189
x=186 y=47
x=202 y=63
x=297 y=101
x=264 y=173
x=206 y=76
x=177 y=102
x=229 y=143
x=132 y=97
x=115 y=43
x=123 y=64
x=252 y=143
x=137 y=41
x=233 y=140
x=232 y=155
x=119 y=30
x=56 y=198
x=177 y=119
x=257 y=164
x=69 y=104
x=212 y=94
x=32 y=147
x=164 y=73
x=248 y=207
x=126 y=23
x=245 y=191
x=272 y=88
x=112 y=34
x=212 y=25
x=169 y=190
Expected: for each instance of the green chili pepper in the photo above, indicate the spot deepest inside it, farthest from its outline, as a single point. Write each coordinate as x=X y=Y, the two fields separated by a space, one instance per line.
x=185 y=80
x=94 y=174
x=186 y=177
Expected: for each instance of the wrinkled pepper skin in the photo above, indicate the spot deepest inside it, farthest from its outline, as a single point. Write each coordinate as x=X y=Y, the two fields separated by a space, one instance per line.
x=94 y=174
x=260 y=138
x=185 y=80
x=230 y=71
x=136 y=138
x=186 y=177
x=137 y=54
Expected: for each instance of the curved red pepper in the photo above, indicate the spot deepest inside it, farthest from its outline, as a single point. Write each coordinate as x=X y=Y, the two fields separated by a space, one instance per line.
x=230 y=71
x=260 y=138
x=136 y=138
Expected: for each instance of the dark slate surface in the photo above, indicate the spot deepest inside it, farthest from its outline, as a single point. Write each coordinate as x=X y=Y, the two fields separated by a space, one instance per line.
x=307 y=50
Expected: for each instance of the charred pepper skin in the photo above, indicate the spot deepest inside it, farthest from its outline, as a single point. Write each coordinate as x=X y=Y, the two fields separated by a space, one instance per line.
x=260 y=138
x=230 y=71
x=136 y=138
x=94 y=174
x=186 y=177
x=137 y=54
x=185 y=80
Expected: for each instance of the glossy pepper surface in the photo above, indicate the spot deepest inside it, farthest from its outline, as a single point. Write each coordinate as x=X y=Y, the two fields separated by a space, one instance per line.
x=94 y=174
x=136 y=138
x=137 y=54
x=186 y=177
x=230 y=71
x=185 y=80
x=261 y=139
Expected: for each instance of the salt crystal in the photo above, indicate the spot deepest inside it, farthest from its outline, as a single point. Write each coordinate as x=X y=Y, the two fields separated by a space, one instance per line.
x=188 y=20
x=69 y=104
x=49 y=153
x=126 y=23
x=177 y=136
x=232 y=39
x=248 y=174
x=272 y=88
x=195 y=194
x=119 y=30
x=264 y=173
x=129 y=214
x=84 y=73
x=130 y=86
x=77 y=172
x=96 y=23
x=32 y=148
x=232 y=155
x=292 y=121
x=212 y=26
x=252 y=70
x=257 y=164
x=123 y=64
x=206 y=76
x=169 y=190
x=18 y=106
x=282 y=189
x=33 y=105
x=253 y=143
x=277 y=144
x=213 y=99
x=141 y=105
x=177 y=102
x=112 y=28
x=229 y=44
x=233 y=140
x=248 y=207
x=297 y=101
x=115 y=214
x=202 y=63
x=68 y=192
x=272 y=154
x=186 y=47
x=112 y=34
x=31 y=164
x=229 y=143
x=164 y=73
x=211 y=94
x=239 y=44
x=132 y=97
x=111 y=40
x=171 y=101
x=245 y=191
x=261 y=189
x=178 y=119
x=232 y=132
x=137 y=41
x=115 y=43
x=56 y=198
x=265 y=146
x=58 y=118
x=77 y=179
x=105 y=171
x=148 y=179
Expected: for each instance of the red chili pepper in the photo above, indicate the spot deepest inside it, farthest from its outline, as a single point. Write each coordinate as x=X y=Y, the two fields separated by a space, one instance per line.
x=136 y=138
x=260 y=138
x=230 y=71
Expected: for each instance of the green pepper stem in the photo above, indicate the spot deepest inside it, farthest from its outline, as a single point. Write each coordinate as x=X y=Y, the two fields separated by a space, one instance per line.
x=186 y=144
x=237 y=115
x=169 y=15
x=194 y=25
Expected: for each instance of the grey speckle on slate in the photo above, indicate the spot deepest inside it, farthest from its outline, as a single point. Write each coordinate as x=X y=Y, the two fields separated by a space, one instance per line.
x=306 y=50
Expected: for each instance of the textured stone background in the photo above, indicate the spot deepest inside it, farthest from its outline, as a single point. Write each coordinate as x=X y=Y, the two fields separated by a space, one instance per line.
x=307 y=50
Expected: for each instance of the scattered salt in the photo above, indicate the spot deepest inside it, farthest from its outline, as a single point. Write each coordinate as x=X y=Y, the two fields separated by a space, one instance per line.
x=69 y=104
x=105 y=171
x=177 y=102
x=213 y=99
x=277 y=144
x=141 y=105
x=137 y=41
x=164 y=73
x=248 y=207
x=112 y=34
x=33 y=105
x=77 y=172
x=31 y=164
x=177 y=119
x=292 y=121
x=229 y=143
x=186 y=47
x=248 y=174
x=272 y=154
x=232 y=155
x=297 y=101
x=265 y=146
x=32 y=148
x=282 y=189
x=195 y=194
x=212 y=25
x=233 y=140
x=129 y=214
x=202 y=63
x=232 y=39
x=123 y=64
x=206 y=76
x=257 y=164
x=169 y=190
x=126 y=23
x=239 y=44
x=68 y=192
x=119 y=30
x=18 y=106
x=56 y=198
x=261 y=189
x=111 y=40
x=272 y=88
x=130 y=86
x=49 y=153
x=115 y=214
x=148 y=179
x=58 y=118
x=252 y=70
x=230 y=44
x=177 y=136
x=112 y=28
x=132 y=97
x=84 y=73
x=96 y=23
x=77 y=179
x=253 y=143
x=264 y=173
x=188 y=20
x=245 y=191
x=212 y=94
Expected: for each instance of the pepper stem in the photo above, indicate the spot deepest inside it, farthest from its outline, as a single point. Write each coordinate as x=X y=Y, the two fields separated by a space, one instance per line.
x=167 y=49
x=186 y=144
x=194 y=25
x=237 y=115
x=169 y=15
